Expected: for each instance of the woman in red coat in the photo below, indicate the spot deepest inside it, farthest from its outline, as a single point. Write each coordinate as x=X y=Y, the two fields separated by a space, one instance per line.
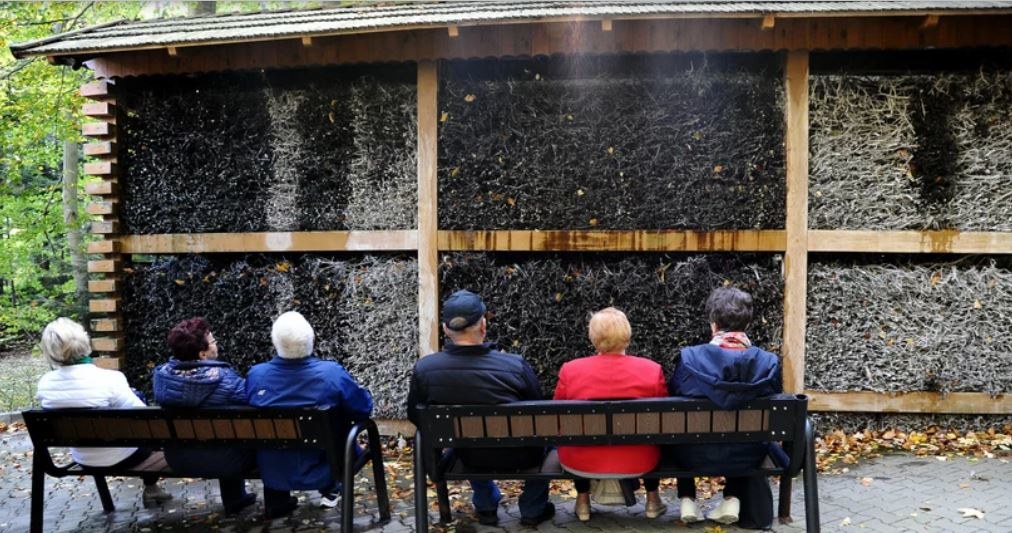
x=611 y=375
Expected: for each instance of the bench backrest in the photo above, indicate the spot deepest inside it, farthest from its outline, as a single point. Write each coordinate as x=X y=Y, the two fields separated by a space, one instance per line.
x=648 y=421
x=154 y=427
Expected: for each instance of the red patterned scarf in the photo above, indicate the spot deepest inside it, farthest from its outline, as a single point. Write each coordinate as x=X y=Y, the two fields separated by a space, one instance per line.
x=731 y=340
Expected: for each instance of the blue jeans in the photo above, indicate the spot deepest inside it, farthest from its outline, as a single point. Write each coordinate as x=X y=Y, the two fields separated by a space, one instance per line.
x=533 y=499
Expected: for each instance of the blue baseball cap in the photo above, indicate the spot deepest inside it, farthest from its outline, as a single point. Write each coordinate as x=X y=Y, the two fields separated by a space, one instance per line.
x=462 y=309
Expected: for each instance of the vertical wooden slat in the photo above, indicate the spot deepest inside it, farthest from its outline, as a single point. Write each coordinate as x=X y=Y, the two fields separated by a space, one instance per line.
x=184 y=429
x=750 y=420
x=428 y=256
x=223 y=429
x=546 y=425
x=286 y=428
x=595 y=424
x=724 y=421
x=571 y=425
x=203 y=430
x=648 y=423
x=796 y=256
x=673 y=422
x=697 y=422
x=244 y=429
x=497 y=426
x=623 y=424
x=471 y=427
x=521 y=426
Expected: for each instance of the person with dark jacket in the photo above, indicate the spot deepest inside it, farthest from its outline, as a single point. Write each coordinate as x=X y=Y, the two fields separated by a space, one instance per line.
x=194 y=377
x=295 y=377
x=730 y=372
x=470 y=371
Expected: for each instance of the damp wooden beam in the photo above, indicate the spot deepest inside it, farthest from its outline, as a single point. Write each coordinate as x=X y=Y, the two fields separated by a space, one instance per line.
x=910 y=402
x=306 y=241
x=910 y=242
x=614 y=241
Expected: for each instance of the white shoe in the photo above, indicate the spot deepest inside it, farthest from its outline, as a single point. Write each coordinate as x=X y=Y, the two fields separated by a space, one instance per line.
x=726 y=512
x=330 y=500
x=690 y=511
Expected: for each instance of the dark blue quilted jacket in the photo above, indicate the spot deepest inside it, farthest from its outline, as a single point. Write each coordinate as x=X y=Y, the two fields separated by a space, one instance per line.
x=729 y=378
x=201 y=383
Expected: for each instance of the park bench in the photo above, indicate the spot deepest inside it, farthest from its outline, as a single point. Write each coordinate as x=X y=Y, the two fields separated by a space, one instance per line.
x=232 y=427
x=675 y=420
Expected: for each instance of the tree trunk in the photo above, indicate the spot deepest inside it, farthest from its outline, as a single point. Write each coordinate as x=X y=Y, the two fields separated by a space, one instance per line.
x=198 y=9
x=79 y=265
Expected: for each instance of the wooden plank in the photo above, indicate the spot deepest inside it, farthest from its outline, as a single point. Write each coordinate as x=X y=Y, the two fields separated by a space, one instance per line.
x=98 y=109
x=104 y=227
x=223 y=429
x=571 y=425
x=106 y=324
x=910 y=402
x=546 y=425
x=244 y=429
x=100 y=148
x=98 y=129
x=595 y=424
x=203 y=429
x=108 y=363
x=631 y=241
x=100 y=168
x=264 y=428
x=286 y=428
x=673 y=422
x=750 y=420
x=304 y=241
x=105 y=246
x=471 y=426
x=107 y=344
x=101 y=207
x=428 y=241
x=96 y=89
x=103 y=285
x=103 y=266
x=796 y=255
x=725 y=421
x=648 y=423
x=623 y=423
x=521 y=426
x=184 y=429
x=697 y=421
x=497 y=426
x=101 y=188
x=910 y=242
x=104 y=305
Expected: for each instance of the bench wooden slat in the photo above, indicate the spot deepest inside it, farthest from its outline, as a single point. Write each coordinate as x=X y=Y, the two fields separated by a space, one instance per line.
x=184 y=429
x=725 y=421
x=595 y=424
x=264 y=428
x=648 y=423
x=521 y=426
x=63 y=428
x=159 y=429
x=106 y=429
x=570 y=425
x=471 y=427
x=497 y=426
x=697 y=422
x=546 y=425
x=83 y=428
x=673 y=423
x=623 y=423
x=750 y=420
x=223 y=429
x=286 y=428
x=203 y=429
x=244 y=428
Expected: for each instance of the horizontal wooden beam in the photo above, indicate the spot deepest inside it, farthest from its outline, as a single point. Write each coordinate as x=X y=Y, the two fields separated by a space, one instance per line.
x=105 y=246
x=100 y=148
x=98 y=129
x=108 y=363
x=104 y=227
x=98 y=109
x=106 y=324
x=104 y=266
x=103 y=285
x=104 y=305
x=96 y=89
x=632 y=241
x=100 y=168
x=945 y=241
x=306 y=241
x=910 y=402
x=101 y=188
x=102 y=207
x=107 y=344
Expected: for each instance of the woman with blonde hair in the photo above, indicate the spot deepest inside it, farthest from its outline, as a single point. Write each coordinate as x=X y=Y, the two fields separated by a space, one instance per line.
x=611 y=374
x=76 y=382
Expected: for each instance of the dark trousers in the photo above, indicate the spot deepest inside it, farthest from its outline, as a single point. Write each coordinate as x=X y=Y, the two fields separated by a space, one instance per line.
x=228 y=466
x=136 y=458
x=583 y=484
x=275 y=499
x=754 y=492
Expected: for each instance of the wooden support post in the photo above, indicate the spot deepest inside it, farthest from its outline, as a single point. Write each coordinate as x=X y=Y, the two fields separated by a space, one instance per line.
x=105 y=304
x=307 y=41
x=606 y=25
x=173 y=51
x=796 y=256
x=930 y=22
x=453 y=30
x=769 y=21
x=428 y=242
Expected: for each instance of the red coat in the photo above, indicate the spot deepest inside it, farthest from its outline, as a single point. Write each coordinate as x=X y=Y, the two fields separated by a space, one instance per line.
x=610 y=377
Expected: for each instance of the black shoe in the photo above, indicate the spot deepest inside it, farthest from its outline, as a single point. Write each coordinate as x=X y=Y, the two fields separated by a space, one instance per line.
x=532 y=521
x=282 y=510
x=488 y=518
x=244 y=502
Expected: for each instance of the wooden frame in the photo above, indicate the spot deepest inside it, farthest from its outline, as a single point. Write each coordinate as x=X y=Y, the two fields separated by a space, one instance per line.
x=425 y=45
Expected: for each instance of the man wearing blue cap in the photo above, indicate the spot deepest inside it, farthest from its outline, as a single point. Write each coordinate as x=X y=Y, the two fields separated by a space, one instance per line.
x=470 y=371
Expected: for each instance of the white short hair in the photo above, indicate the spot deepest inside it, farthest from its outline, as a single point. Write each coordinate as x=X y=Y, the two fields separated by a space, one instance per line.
x=64 y=341
x=292 y=336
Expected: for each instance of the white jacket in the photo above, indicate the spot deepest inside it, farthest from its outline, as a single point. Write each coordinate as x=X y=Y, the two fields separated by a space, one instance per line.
x=87 y=385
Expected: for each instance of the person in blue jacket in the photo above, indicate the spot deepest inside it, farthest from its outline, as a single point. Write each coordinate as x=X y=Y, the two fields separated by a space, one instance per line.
x=295 y=377
x=194 y=377
x=730 y=372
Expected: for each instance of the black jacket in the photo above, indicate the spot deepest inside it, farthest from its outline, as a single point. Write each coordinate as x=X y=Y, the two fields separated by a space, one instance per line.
x=476 y=375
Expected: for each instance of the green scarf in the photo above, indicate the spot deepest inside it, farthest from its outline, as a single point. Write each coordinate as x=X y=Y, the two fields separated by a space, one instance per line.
x=86 y=360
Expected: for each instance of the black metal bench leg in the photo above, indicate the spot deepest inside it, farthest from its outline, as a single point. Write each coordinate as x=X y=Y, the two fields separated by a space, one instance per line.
x=421 y=498
x=348 y=487
x=103 y=494
x=811 y=482
x=379 y=474
x=38 y=493
x=784 y=508
x=443 y=494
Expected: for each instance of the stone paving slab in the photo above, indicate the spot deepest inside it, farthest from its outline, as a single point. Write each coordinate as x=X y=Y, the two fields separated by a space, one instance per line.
x=895 y=493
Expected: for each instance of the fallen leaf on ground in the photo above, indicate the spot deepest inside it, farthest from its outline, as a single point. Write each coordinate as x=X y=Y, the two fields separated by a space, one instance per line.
x=845 y=521
x=971 y=512
x=866 y=481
